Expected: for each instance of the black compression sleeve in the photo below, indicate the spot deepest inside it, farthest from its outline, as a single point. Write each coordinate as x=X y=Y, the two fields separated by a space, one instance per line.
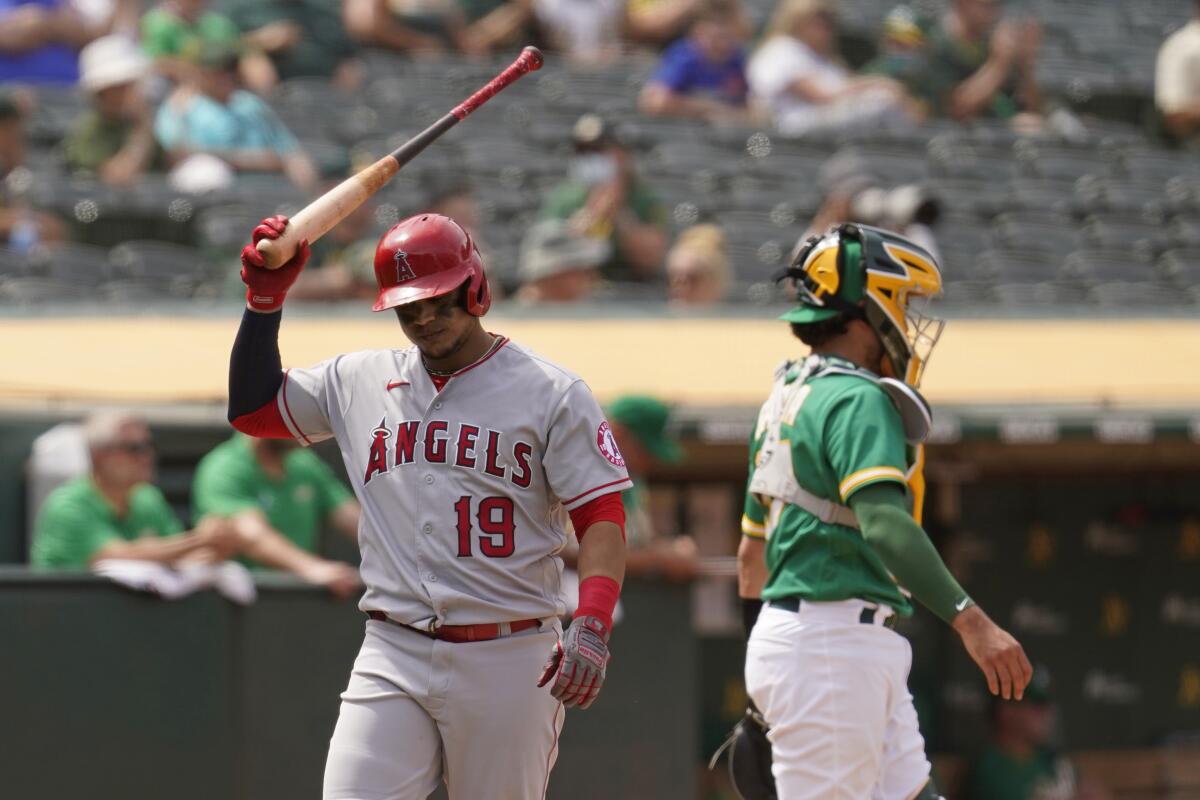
x=255 y=369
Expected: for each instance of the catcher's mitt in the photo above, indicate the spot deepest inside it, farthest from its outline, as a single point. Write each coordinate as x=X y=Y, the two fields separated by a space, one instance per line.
x=749 y=757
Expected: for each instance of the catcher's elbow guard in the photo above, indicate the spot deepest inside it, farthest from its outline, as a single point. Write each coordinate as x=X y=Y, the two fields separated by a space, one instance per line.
x=749 y=758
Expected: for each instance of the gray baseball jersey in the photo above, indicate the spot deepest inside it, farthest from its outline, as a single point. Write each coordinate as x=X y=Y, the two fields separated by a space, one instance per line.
x=463 y=491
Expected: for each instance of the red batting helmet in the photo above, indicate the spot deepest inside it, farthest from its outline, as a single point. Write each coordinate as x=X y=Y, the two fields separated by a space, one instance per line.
x=426 y=256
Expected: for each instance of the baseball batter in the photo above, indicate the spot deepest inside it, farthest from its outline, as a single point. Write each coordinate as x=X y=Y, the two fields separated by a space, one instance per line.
x=467 y=452
x=835 y=447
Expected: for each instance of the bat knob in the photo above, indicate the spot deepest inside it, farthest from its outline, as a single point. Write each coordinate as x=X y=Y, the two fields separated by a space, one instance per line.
x=272 y=252
x=531 y=58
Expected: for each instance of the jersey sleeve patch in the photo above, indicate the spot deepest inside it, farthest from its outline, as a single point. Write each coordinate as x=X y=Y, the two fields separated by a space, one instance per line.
x=607 y=442
x=863 y=477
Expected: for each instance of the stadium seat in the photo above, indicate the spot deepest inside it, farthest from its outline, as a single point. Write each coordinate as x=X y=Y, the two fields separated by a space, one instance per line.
x=1061 y=164
x=1034 y=194
x=1184 y=232
x=1181 y=267
x=38 y=291
x=1016 y=266
x=1033 y=230
x=78 y=265
x=13 y=264
x=1038 y=294
x=226 y=228
x=172 y=268
x=1120 y=232
x=1108 y=266
x=1128 y=294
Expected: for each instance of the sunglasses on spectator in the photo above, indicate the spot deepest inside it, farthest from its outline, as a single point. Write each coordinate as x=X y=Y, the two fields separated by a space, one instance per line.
x=140 y=447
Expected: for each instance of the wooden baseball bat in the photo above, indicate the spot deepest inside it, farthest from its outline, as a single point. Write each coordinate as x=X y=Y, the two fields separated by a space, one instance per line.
x=315 y=219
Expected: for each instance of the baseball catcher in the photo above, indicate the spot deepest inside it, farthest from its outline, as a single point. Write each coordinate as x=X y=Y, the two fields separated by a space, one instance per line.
x=833 y=550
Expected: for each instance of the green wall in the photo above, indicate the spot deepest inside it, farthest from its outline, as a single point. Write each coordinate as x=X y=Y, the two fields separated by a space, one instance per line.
x=107 y=694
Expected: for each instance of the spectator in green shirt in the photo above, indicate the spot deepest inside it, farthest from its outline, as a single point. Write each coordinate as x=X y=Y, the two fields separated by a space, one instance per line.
x=115 y=138
x=1019 y=762
x=977 y=65
x=641 y=427
x=299 y=38
x=175 y=30
x=272 y=489
x=901 y=45
x=115 y=512
x=605 y=199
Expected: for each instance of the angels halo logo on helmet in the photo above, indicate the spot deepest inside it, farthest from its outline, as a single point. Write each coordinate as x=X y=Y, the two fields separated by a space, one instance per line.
x=874 y=275
x=429 y=255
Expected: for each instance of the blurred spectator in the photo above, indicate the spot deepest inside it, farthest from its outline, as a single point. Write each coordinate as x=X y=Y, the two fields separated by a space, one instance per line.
x=558 y=265
x=21 y=228
x=115 y=139
x=454 y=198
x=495 y=23
x=417 y=26
x=604 y=199
x=1020 y=763
x=278 y=496
x=977 y=65
x=299 y=38
x=798 y=76
x=698 y=268
x=703 y=75
x=174 y=32
x=901 y=45
x=212 y=115
x=851 y=193
x=585 y=31
x=39 y=40
x=1177 y=81
x=115 y=512
x=640 y=426
x=660 y=22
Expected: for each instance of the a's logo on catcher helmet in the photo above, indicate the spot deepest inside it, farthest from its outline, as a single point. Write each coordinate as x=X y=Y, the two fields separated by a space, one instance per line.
x=404 y=270
x=608 y=445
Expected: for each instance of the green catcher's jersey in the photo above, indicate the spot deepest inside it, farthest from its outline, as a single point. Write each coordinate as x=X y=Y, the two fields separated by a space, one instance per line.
x=843 y=433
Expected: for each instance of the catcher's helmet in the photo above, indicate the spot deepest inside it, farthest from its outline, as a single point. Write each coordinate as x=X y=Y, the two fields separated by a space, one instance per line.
x=426 y=256
x=870 y=274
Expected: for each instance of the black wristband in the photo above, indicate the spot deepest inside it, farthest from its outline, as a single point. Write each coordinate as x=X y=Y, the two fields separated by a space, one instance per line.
x=750 y=608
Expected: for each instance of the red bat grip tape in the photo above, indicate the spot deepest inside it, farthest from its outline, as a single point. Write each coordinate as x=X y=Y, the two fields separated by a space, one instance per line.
x=529 y=60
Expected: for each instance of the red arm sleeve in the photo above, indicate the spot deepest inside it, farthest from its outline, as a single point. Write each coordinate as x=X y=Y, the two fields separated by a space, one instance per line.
x=264 y=423
x=605 y=508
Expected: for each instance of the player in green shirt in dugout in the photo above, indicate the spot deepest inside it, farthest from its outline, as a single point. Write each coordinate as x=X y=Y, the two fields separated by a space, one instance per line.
x=273 y=489
x=115 y=512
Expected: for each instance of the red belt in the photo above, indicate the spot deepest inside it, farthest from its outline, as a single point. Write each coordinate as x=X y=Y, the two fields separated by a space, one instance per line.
x=465 y=633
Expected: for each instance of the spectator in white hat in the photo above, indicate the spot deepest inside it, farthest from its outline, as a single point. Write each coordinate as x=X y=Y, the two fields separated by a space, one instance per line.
x=559 y=265
x=115 y=138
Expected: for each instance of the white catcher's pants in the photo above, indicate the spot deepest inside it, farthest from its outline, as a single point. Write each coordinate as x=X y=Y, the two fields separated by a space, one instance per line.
x=835 y=693
x=417 y=710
